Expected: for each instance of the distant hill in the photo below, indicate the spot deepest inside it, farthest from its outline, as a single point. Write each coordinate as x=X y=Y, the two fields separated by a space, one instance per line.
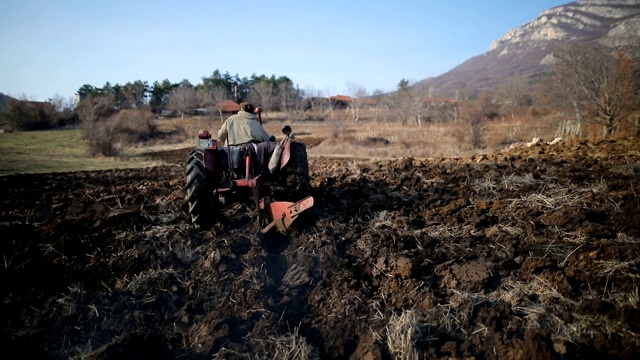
x=4 y=101
x=526 y=52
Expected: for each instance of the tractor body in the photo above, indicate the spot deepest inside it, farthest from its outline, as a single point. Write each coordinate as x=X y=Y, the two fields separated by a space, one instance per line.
x=274 y=175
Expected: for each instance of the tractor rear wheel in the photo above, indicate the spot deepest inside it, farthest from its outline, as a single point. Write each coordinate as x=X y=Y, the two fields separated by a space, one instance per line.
x=294 y=177
x=201 y=193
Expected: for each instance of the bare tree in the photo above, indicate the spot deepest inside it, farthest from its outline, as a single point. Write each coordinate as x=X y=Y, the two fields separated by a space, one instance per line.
x=411 y=101
x=511 y=95
x=213 y=99
x=476 y=114
x=289 y=98
x=358 y=94
x=62 y=104
x=597 y=83
x=379 y=105
x=182 y=98
x=263 y=93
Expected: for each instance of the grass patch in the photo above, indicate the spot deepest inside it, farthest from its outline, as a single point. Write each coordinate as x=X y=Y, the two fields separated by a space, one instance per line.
x=55 y=151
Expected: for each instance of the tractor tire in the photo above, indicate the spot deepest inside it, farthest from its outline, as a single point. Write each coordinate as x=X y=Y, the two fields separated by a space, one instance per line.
x=294 y=176
x=201 y=194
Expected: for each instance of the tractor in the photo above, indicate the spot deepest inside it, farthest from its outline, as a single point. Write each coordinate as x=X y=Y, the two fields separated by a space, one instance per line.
x=270 y=174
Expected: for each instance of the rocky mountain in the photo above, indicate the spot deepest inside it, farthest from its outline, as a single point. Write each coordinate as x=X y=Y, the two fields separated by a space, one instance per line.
x=527 y=51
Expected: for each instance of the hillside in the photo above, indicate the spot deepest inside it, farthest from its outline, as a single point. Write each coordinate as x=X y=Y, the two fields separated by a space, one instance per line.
x=526 y=52
x=4 y=100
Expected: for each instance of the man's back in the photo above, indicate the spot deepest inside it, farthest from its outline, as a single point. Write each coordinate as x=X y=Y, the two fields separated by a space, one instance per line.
x=242 y=128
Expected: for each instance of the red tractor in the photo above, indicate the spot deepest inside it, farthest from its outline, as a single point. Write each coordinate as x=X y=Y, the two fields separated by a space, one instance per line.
x=271 y=173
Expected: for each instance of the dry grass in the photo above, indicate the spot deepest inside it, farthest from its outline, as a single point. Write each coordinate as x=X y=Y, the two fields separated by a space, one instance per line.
x=626 y=239
x=555 y=196
x=282 y=347
x=624 y=268
x=538 y=303
x=382 y=218
x=293 y=347
x=444 y=231
x=345 y=136
x=402 y=332
x=141 y=282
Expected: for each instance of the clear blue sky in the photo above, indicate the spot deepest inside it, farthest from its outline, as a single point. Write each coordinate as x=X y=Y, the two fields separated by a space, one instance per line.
x=51 y=48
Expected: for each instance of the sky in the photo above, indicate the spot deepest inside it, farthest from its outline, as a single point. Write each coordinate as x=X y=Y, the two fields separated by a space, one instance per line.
x=52 y=48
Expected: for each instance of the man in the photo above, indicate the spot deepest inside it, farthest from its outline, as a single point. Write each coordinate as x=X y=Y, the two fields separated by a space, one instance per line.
x=242 y=128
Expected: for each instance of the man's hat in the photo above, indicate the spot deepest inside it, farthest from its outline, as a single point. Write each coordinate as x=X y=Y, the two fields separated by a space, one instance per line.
x=247 y=106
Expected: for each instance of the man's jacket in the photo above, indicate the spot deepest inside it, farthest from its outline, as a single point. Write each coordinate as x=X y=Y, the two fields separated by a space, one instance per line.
x=242 y=128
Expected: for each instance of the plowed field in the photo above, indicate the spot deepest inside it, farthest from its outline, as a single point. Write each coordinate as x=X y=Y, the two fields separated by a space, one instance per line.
x=529 y=253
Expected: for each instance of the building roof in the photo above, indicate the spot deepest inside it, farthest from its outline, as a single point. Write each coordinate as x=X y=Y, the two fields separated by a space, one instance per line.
x=341 y=98
x=228 y=106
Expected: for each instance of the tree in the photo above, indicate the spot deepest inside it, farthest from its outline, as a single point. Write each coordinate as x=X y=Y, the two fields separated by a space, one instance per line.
x=100 y=133
x=270 y=92
x=64 y=109
x=289 y=97
x=87 y=90
x=61 y=104
x=596 y=82
x=160 y=94
x=358 y=94
x=218 y=81
x=212 y=98
x=25 y=115
x=96 y=108
x=135 y=94
x=511 y=95
x=476 y=114
x=263 y=92
x=182 y=98
x=410 y=102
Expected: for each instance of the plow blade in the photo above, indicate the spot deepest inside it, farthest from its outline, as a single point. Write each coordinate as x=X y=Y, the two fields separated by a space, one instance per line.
x=284 y=213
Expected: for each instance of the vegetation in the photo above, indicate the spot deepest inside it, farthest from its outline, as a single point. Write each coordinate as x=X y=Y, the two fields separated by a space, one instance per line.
x=586 y=86
x=596 y=83
x=28 y=115
x=55 y=151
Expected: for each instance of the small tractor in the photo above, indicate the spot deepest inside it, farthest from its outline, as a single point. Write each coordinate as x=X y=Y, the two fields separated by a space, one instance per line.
x=271 y=173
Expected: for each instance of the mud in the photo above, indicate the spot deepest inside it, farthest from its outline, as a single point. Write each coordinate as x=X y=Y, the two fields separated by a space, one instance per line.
x=528 y=253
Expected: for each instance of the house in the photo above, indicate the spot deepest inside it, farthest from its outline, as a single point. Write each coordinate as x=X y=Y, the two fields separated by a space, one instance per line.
x=341 y=101
x=369 y=103
x=228 y=106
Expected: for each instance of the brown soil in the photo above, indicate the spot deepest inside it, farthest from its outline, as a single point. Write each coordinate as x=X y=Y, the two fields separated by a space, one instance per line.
x=531 y=253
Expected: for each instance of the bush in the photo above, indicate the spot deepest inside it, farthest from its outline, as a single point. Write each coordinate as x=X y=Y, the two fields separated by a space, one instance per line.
x=109 y=136
x=138 y=125
x=103 y=136
x=22 y=115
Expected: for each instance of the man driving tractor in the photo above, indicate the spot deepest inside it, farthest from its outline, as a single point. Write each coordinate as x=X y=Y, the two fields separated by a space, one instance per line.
x=243 y=127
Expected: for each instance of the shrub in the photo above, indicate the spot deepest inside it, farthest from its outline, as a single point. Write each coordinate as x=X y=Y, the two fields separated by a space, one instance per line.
x=109 y=136
x=103 y=136
x=22 y=115
x=108 y=130
x=138 y=125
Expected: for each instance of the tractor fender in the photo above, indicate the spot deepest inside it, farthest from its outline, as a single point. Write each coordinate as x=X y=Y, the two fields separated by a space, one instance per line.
x=211 y=160
x=274 y=160
x=280 y=156
x=286 y=155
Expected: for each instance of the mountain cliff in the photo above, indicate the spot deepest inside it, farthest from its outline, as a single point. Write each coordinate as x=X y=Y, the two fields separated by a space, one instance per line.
x=527 y=51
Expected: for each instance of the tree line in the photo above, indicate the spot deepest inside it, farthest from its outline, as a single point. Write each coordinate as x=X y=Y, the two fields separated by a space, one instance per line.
x=275 y=93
